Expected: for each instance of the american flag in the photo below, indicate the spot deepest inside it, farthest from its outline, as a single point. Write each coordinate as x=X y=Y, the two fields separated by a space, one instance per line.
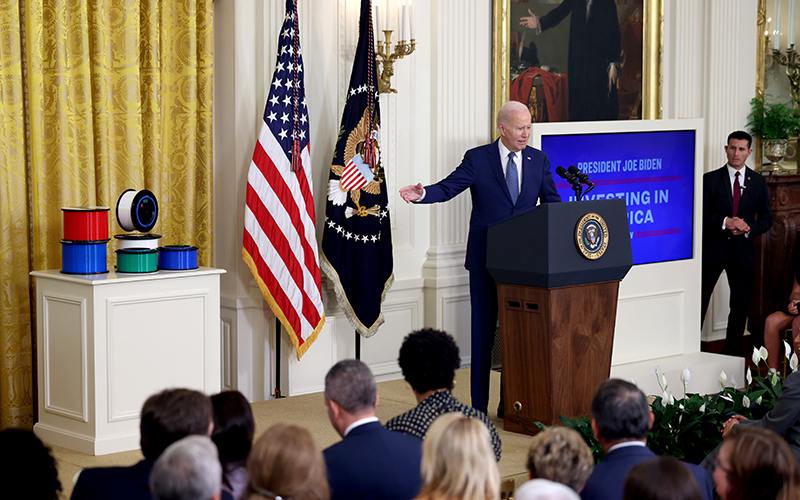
x=280 y=244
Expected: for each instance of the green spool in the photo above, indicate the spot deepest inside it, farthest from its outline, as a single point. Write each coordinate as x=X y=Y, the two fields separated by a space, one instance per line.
x=137 y=260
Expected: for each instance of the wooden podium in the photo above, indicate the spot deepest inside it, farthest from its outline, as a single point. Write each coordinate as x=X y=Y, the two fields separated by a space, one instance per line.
x=557 y=307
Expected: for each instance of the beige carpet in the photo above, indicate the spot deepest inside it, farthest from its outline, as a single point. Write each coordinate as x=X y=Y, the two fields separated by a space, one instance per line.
x=395 y=397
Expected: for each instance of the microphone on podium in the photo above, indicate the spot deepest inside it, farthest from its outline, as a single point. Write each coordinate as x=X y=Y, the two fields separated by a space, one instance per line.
x=580 y=175
x=572 y=179
x=569 y=176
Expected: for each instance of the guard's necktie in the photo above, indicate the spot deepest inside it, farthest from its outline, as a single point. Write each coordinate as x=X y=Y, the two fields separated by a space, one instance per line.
x=737 y=194
x=512 y=178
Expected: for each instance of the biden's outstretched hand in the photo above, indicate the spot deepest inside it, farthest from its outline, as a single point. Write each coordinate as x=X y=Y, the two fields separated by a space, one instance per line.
x=412 y=193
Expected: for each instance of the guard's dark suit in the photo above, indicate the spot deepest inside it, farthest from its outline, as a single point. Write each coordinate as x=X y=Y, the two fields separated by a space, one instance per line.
x=734 y=254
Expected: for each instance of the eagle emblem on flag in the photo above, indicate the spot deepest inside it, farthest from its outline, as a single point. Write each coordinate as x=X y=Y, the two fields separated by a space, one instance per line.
x=356 y=175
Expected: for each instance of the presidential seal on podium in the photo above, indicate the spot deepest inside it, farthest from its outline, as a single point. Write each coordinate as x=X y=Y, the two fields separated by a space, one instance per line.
x=591 y=236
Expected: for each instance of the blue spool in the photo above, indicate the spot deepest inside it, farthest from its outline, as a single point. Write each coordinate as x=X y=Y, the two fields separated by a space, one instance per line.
x=83 y=257
x=177 y=257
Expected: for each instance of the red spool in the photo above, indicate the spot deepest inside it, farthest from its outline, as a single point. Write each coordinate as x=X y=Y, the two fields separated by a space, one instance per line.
x=85 y=223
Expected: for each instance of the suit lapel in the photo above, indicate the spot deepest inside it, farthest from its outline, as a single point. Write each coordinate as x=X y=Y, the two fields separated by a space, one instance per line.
x=497 y=168
x=748 y=183
x=725 y=181
x=528 y=173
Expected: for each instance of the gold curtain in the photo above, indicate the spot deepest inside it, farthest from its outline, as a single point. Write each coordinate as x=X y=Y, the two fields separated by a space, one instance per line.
x=98 y=96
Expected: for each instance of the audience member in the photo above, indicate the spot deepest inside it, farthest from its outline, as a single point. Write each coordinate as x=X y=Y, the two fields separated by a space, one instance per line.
x=783 y=419
x=286 y=463
x=620 y=422
x=27 y=470
x=233 y=435
x=561 y=455
x=370 y=461
x=662 y=478
x=543 y=489
x=166 y=417
x=756 y=464
x=457 y=461
x=779 y=321
x=429 y=359
x=188 y=469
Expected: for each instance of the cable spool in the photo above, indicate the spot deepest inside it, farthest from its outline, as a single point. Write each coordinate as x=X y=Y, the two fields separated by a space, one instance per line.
x=85 y=223
x=137 y=210
x=140 y=240
x=83 y=257
x=137 y=260
x=177 y=257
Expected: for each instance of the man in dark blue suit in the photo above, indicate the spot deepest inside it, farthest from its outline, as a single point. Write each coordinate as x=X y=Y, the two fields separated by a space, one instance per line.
x=370 y=462
x=166 y=418
x=620 y=422
x=504 y=178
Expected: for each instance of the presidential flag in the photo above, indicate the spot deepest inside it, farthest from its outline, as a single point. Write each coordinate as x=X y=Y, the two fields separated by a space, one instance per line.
x=280 y=243
x=357 y=238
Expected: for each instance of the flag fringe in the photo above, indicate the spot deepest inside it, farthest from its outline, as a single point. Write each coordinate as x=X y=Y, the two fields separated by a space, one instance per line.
x=341 y=297
x=300 y=348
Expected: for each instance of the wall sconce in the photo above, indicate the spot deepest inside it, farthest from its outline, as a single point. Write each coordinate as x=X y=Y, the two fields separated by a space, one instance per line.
x=384 y=55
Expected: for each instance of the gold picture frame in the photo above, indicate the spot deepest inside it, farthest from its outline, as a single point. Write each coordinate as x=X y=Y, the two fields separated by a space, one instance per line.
x=652 y=50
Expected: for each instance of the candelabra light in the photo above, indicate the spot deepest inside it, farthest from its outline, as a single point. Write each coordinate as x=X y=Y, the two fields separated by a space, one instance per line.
x=385 y=58
x=792 y=63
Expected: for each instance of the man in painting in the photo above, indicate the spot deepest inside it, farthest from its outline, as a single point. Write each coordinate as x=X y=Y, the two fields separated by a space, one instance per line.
x=594 y=55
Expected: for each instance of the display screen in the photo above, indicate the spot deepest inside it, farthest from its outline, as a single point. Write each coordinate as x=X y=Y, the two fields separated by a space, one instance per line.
x=652 y=171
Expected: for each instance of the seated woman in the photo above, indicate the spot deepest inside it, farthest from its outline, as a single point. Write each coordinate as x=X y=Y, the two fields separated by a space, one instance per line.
x=777 y=322
x=233 y=434
x=560 y=455
x=287 y=463
x=756 y=463
x=458 y=462
x=662 y=478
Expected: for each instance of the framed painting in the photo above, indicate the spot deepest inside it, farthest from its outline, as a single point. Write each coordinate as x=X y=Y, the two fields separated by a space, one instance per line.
x=578 y=60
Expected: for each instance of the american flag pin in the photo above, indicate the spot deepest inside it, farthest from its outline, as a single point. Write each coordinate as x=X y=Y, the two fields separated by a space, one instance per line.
x=528 y=157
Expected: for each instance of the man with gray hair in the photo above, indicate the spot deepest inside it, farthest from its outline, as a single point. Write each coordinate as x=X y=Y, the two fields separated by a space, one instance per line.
x=504 y=178
x=370 y=461
x=621 y=420
x=189 y=469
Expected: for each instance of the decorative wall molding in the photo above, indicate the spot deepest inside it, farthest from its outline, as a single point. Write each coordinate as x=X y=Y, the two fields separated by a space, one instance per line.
x=56 y=376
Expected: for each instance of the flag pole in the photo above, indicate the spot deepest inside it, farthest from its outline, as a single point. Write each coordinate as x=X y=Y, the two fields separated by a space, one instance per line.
x=358 y=346
x=278 y=359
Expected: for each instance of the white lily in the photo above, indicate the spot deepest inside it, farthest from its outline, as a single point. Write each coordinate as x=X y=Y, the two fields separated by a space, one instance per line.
x=787 y=351
x=774 y=379
x=749 y=376
x=733 y=382
x=671 y=399
x=665 y=398
x=763 y=353
x=756 y=356
x=686 y=376
x=758 y=401
x=723 y=379
x=703 y=408
x=793 y=362
x=746 y=402
x=726 y=397
x=664 y=381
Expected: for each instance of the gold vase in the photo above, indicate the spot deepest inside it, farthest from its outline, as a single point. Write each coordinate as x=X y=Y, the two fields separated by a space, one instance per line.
x=775 y=150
